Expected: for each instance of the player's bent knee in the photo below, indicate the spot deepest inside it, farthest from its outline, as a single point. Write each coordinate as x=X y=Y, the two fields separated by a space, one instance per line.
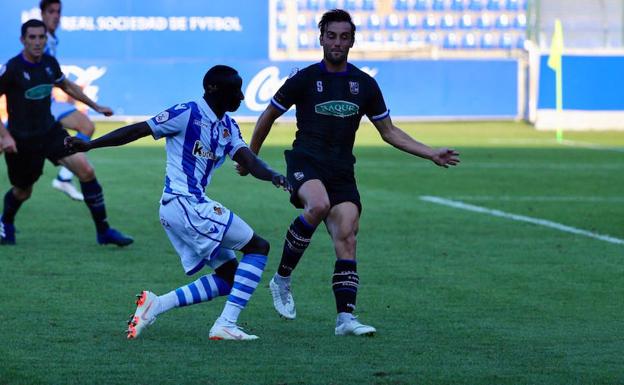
x=257 y=245
x=85 y=173
x=22 y=194
x=319 y=210
x=227 y=271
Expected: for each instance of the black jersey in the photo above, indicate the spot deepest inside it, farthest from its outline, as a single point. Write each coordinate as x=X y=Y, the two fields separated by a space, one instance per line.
x=329 y=107
x=28 y=87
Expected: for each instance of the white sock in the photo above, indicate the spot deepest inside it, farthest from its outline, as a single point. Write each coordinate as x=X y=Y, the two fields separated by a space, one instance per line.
x=168 y=301
x=64 y=174
x=230 y=312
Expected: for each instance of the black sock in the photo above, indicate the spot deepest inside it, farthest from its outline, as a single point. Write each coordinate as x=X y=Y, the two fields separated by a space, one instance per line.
x=345 y=284
x=11 y=205
x=296 y=242
x=94 y=198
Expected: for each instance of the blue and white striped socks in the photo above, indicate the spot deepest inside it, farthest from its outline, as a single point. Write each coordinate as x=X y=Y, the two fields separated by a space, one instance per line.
x=203 y=289
x=246 y=280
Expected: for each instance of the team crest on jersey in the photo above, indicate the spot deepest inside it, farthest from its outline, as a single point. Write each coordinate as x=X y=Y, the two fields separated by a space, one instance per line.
x=226 y=133
x=354 y=87
x=26 y=75
x=200 y=151
x=319 y=86
x=218 y=210
x=49 y=71
x=162 y=117
x=339 y=108
x=298 y=175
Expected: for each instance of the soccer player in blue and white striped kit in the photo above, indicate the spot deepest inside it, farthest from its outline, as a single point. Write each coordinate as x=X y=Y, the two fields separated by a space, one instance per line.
x=199 y=134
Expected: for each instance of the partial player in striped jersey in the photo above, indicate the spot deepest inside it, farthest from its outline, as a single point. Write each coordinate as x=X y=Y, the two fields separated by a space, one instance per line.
x=64 y=112
x=199 y=134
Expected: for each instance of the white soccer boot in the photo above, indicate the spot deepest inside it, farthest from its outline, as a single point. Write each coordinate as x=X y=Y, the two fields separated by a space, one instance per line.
x=223 y=330
x=147 y=305
x=283 y=301
x=68 y=188
x=348 y=325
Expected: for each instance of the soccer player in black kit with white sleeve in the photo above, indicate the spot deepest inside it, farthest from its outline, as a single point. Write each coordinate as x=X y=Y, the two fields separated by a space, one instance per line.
x=331 y=97
x=32 y=135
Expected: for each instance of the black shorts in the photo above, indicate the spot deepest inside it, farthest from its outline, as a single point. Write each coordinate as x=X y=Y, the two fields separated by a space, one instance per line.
x=26 y=166
x=339 y=183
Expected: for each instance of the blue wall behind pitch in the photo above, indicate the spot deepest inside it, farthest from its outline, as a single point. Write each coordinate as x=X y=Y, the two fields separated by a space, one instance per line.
x=141 y=69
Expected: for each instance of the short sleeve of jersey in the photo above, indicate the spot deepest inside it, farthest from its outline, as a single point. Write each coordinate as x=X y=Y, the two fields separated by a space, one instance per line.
x=4 y=79
x=288 y=93
x=375 y=108
x=237 y=142
x=170 y=121
x=56 y=70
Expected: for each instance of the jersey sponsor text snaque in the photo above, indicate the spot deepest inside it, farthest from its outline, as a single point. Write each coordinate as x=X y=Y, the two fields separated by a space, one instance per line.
x=339 y=108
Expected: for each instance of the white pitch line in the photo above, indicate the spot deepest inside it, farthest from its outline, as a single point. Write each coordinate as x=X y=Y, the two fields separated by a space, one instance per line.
x=521 y=218
x=537 y=198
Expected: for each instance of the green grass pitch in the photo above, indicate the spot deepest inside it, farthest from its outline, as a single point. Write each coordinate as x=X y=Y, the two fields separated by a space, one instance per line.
x=458 y=297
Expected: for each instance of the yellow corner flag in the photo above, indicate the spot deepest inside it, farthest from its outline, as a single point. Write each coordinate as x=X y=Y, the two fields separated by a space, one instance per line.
x=554 y=62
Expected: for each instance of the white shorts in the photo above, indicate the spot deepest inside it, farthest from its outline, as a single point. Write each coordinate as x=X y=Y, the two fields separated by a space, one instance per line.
x=203 y=233
x=61 y=109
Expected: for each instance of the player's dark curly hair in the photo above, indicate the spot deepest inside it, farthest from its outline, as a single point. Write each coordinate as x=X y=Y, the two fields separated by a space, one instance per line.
x=43 y=4
x=333 y=16
x=33 y=23
x=216 y=74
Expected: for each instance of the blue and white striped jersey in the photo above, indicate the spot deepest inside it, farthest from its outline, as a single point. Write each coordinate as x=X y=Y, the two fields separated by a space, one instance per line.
x=51 y=45
x=196 y=144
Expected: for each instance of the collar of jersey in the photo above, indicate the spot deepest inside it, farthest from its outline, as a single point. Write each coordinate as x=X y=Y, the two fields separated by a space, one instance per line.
x=205 y=108
x=343 y=73
x=30 y=64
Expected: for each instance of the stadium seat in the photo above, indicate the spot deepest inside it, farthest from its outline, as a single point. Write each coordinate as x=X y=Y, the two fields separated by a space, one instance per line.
x=457 y=5
x=350 y=5
x=369 y=5
x=280 y=5
x=520 y=40
x=302 y=21
x=487 y=41
x=520 y=21
x=484 y=22
x=412 y=21
x=414 y=39
x=282 y=41
x=432 y=38
x=502 y=22
x=303 y=41
x=447 y=21
x=400 y=5
x=493 y=5
x=438 y=5
x=469 y=41
x=512 y=5
x=314 y=5
x=421 y=5
x=375 y=37
x=505 y=41
x=302 y=5
x=331 y=4
x=450 y=41
x=466 y=21
x=475 y=5
x=396 y=38
x=357 y=20
x=282 y=21
x=393 y=21
x=429 y=22
x=374 y=22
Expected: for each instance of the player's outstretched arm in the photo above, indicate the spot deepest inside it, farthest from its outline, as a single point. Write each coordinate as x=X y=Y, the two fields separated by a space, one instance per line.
x=260 y=132
x=393 y=135
x=118 y=137
x=247 y=159
x=75 y=91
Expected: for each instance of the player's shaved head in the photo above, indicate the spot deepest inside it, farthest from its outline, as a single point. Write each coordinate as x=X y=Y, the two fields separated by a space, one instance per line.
x=218 y=75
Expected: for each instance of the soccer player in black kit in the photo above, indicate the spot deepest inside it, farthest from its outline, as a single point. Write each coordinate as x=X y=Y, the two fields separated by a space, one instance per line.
x=331 y=97
x=33 y=135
